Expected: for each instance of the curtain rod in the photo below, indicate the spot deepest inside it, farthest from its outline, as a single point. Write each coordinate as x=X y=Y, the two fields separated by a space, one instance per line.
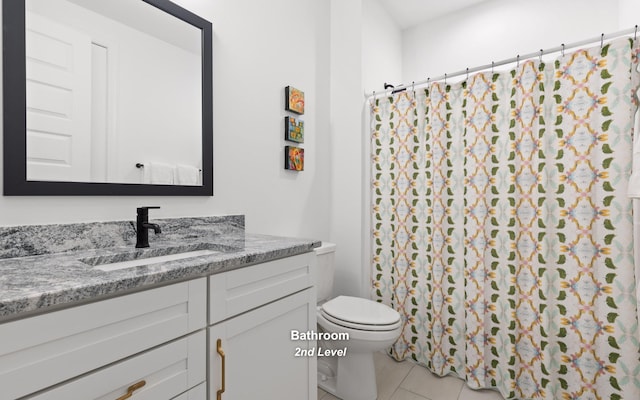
x=516 y=59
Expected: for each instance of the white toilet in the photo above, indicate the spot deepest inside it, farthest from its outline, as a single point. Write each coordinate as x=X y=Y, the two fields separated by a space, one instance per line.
x=371 y=327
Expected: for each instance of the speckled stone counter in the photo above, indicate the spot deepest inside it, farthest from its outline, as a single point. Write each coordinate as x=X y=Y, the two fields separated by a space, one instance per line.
x=41 y=267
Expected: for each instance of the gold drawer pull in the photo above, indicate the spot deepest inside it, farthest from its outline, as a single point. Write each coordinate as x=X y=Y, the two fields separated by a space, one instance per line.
x=221 y=352
x=132 y=389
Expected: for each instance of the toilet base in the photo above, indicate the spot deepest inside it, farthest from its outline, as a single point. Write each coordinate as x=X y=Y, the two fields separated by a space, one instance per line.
x=327 y=371
x=328 y=384
x=357 y=376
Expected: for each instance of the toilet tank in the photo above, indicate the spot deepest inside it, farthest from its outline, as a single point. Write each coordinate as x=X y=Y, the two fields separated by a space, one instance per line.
x=325 y=255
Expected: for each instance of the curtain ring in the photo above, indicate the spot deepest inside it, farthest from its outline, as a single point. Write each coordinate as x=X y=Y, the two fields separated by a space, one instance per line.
x=467 y=73
x=445 y=79
x=601 y=40
x=540 y=58
x=562 y=49
x=518 y=61
x=635 y=34
x=413 y=88
x=492 y=64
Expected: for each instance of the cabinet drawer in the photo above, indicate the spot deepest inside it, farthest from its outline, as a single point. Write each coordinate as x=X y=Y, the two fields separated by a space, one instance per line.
x=240 y=290
x=41 y=351
x=167 y=371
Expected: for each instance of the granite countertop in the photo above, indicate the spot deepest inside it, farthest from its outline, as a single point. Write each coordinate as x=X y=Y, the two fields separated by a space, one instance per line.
x=36 y=283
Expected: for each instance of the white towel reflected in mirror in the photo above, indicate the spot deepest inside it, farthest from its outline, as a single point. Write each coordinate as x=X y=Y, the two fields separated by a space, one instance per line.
x=158 y=173
x=187 y=175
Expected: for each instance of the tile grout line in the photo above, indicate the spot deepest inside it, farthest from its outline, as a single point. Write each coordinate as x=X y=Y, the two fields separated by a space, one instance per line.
x=461 y=389
x=409 y=390
x=404 y=379
x=397 y=386
x=394 y=392
x=408 y=373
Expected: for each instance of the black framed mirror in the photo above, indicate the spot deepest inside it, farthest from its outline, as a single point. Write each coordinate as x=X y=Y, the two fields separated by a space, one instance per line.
x=145 y=118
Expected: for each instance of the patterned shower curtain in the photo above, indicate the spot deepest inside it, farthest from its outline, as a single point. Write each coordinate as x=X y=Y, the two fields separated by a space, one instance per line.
x=501 y=228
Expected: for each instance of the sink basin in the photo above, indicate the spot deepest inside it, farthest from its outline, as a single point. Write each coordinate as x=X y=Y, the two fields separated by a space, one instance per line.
x=153 y=260
x=129 y=258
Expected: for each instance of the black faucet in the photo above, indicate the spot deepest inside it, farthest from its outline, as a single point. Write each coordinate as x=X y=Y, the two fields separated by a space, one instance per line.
x=143 y=226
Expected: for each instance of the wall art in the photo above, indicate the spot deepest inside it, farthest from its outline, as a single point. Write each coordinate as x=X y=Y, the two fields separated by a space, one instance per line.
x=293 y=158
x=294 y=100
x=293 y=130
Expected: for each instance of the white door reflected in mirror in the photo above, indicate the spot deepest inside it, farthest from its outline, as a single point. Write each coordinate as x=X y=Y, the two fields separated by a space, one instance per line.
x=111 y=85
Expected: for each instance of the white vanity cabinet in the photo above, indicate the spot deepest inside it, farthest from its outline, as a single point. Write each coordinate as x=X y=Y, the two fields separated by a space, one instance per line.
x=39 y=352
x=252 y=313
x=183 y=341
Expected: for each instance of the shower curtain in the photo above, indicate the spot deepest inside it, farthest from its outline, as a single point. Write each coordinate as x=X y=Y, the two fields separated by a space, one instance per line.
x=501 y=227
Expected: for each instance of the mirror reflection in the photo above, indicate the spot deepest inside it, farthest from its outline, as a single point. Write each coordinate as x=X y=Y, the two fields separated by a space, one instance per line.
x=114 y=93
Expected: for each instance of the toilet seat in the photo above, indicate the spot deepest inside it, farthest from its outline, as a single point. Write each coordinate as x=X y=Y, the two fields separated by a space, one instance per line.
x=361 y=314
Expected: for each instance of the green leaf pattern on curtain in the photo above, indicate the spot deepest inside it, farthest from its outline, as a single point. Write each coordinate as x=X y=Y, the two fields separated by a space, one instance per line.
x=502 y=232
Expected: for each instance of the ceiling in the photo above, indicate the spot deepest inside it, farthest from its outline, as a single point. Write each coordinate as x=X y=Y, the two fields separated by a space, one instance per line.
x=408 y=13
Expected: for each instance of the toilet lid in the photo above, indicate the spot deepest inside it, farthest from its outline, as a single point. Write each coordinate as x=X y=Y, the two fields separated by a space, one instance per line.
x=355 y=310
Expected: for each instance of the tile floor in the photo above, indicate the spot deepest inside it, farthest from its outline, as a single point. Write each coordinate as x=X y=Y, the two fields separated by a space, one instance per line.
x=408 y=381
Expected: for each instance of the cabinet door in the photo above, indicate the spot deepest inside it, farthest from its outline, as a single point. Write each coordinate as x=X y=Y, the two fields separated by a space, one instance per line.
x=260 y=357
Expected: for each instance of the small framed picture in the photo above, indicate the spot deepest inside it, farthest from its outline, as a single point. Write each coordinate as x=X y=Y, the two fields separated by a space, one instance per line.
x=293 y=158
x=293 y=130
x=294 y=100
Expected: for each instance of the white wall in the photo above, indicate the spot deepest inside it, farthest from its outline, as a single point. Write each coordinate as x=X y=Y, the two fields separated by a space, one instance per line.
x=381 y=48
x=501 y=29
x=629 y=13
x=346 y=143
x=259 y=48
